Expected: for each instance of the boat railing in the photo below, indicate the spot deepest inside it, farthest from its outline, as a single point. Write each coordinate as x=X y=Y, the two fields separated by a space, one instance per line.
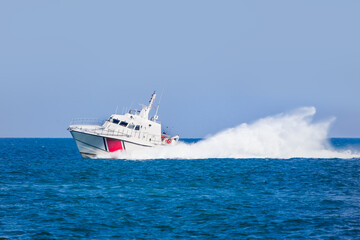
x=87 y=121
x=119 y=132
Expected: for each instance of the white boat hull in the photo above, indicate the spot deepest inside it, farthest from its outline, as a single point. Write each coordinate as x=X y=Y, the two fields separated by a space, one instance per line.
x=96 y=146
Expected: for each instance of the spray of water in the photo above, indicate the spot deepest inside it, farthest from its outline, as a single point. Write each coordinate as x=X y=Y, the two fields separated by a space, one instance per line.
x=290 y=135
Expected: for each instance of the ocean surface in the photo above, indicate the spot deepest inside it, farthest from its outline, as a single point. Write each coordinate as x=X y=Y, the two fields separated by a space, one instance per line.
x=47 y=191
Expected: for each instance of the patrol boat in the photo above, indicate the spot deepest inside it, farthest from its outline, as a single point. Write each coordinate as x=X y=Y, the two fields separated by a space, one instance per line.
x=128 y=132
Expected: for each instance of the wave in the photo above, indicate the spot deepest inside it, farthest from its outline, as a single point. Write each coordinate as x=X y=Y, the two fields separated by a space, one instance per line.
x=284 y=136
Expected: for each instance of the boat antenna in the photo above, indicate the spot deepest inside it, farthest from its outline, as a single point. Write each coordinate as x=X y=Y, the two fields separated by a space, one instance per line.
x=157 y=109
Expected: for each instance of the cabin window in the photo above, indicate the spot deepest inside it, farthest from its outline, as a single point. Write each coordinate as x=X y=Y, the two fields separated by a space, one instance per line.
x=115 y=121
x=137 y=127
x=124 y=124
x=131 y=126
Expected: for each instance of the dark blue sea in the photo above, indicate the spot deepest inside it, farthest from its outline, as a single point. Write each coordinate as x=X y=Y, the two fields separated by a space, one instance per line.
x=47 y=191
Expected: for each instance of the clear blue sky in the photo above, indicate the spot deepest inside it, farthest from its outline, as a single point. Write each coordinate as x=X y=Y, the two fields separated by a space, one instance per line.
x=220 y=63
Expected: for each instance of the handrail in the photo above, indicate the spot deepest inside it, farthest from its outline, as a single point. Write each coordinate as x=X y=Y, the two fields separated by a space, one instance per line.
x=121 y=132
x=87 y=121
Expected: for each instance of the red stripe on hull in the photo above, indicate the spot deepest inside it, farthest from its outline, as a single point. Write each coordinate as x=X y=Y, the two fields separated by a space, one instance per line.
x=114 y=145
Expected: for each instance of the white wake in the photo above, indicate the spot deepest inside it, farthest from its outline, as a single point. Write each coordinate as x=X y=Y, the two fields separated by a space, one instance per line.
x=290 y=135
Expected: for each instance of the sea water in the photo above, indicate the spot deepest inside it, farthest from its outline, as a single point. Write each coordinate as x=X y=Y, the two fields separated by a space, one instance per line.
x=278 y=177
x=47 y=191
